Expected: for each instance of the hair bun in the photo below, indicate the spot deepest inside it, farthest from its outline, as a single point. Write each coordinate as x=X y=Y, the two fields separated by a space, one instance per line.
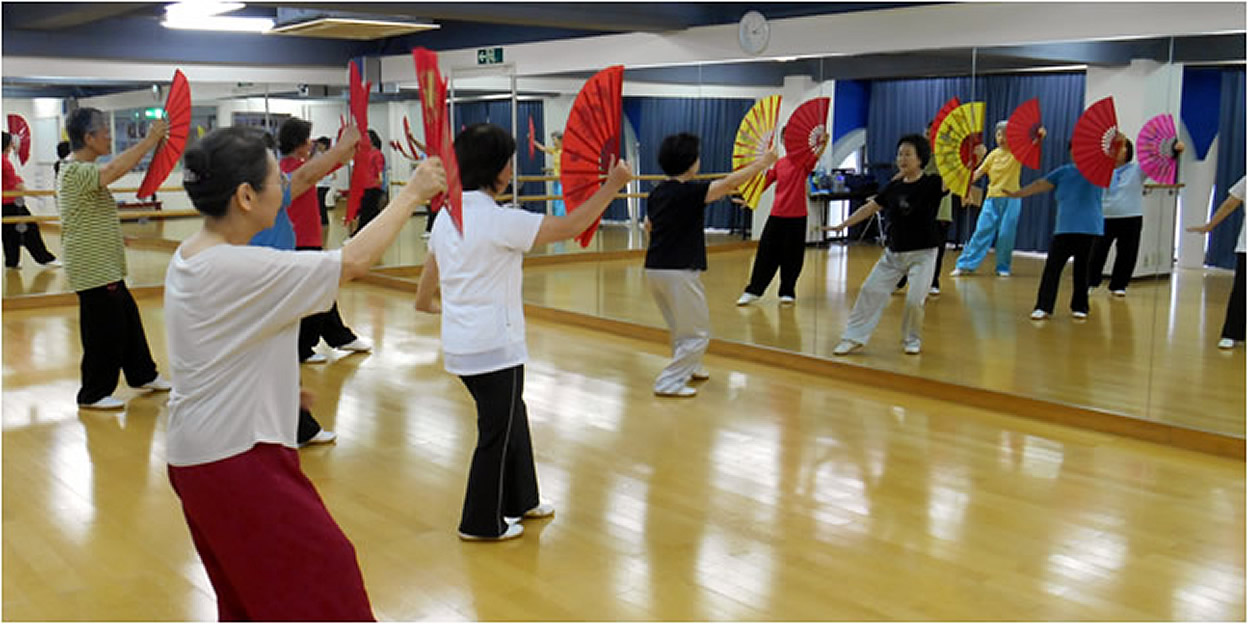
x=195 y=166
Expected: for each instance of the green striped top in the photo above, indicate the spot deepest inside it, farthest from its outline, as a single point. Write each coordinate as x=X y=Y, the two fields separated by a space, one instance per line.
x=91 y=244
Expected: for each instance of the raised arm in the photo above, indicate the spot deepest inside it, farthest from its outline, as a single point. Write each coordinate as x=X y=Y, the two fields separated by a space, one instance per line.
x=562 y=228
x=306 y=176
x=365 y=248
x=121 y=165
x=724 y=186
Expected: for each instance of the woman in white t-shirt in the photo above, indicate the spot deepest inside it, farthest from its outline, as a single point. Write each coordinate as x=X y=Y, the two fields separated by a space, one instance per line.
x=1233 y=326
x=479 y=274
x=232 y=314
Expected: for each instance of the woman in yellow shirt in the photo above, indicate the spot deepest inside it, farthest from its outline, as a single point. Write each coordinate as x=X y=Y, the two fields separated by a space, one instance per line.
x=999 y=217
x=556 y=140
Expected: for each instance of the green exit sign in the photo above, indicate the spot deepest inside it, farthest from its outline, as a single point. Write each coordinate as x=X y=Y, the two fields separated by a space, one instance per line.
x=154 y=113
x=489 y=56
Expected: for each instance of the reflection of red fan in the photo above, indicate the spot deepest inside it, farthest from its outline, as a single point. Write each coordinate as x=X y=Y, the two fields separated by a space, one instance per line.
x=806 y=133
x=21 y=137
x=1155 y=147
x=591 y=140
x=362 y=169
x=178 y=112
x=532 y=140
x=1096 y=141
x=940 y=118
x=412 y=143
x=1022 y=134
x=438 y=140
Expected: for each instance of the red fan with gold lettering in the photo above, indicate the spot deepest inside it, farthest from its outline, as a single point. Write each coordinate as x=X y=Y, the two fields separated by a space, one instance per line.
x=361 y=163
x=944 y=111
x=21 y=136
x=591 y=140
x=1096 y=141
x=438 y=137
x=806 y=133
x=1022 y=133
x=178 y=112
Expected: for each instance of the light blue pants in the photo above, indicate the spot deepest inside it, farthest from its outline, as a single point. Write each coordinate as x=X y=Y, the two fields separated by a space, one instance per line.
x=999 y=220
x=556 y=206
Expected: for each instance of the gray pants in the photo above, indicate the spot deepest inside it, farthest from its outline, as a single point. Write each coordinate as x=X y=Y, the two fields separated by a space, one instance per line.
x=918 y=267
x=682 y=300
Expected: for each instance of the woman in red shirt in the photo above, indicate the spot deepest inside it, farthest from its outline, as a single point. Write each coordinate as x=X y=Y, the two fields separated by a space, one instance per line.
x=17 y=235
x=370 y=204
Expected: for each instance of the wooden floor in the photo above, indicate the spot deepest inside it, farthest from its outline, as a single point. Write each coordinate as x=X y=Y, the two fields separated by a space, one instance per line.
x=1151 y=355
x=773 y=495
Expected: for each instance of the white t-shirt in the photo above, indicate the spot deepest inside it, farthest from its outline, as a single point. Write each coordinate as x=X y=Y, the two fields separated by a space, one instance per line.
x=1237 y=191
x=232 y=325
x=480 y=276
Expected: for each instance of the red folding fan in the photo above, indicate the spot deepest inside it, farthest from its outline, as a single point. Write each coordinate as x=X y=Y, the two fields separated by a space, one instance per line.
x=21 y=136
x=591 y=140
x=438 y=137
x=412 y=143
x=1155 y=146
x=532 y=140
x=944 y=111
x=806 y=133
x=361 y=169
x=178 y=113
x=1096 y=141
x=1022 y=134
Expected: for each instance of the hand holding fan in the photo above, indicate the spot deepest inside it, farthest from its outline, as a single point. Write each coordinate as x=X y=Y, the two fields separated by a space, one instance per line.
x=1156 y=147
x=591 y=140
x=806 y=133
x=755 y=136
x=1096 y=141
x=954 y=151
x=178 y=112
x=361 y=167
x=21 y=136
x=438 y=138
x=1024 y=133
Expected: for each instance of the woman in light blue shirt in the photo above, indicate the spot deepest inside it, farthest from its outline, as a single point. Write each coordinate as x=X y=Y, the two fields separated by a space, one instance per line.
x=1123 y=206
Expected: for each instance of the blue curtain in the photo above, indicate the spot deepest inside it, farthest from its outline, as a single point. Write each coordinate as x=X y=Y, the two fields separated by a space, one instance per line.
x=498 y=112
x=1222 y=240
x=715 y=120
x=899 y=107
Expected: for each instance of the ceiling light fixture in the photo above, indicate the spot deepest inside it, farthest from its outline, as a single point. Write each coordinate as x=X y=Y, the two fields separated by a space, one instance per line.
x=207 y=15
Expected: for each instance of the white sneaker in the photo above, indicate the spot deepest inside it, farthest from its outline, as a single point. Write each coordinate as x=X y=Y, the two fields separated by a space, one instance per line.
x=1226 y=343
x=359 y=345
x=53 y=263
x=701 y=374
x=1119 y=293
x=159 y=384
x=912 y=348
x=959 y=273
x=106 y=403
x=933 y=292
x=425 y=234
x=1079 y=315
x=317 y=358
x=746 y=299
x=684 y=392
x=324 y=436
x=513 y=531
x=787 y=300
x=544 y=510
x=1003 y=273
x=1039 y=315
x=845 y=347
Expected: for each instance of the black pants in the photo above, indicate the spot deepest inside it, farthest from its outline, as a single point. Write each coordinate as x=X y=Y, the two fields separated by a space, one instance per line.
x=370 y=207
x=1233 y=326
x=112 y=340
x=321 y=192
x=327 y=325
x=1061 y=249
x=18 y=235
x=943 y=228
x=308 y=427
x=964 y=220
x=1125 y=230
x=502 y=480
x=782 y=246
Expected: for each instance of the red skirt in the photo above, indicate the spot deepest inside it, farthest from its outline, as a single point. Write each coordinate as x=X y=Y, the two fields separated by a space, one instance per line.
x=271 y=548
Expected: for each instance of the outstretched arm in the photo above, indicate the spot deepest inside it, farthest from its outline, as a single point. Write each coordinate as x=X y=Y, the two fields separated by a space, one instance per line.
x=1229 y=205
x=1035 y=188
x=724 y=186
x=562 y=228
x=863 y=213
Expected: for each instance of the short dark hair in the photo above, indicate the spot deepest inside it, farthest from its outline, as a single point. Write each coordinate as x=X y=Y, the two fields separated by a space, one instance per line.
x=483 y=151
x=374 y=138
x=324 y=141
x=62 y=150
x=293 y=133
x=678 y=152
x=82 y=122
x=216 y=165
x=7 y=139
x=1130 y=149
x=921 y=147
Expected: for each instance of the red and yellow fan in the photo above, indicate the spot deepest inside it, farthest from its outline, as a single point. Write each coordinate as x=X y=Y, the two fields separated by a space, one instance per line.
x=178 y=112
x=944 y=111
x=1095 y=143
x=361 y=169
x=959 y=133
x=591 y=140
x=755 y=136
x=438 y=137
x=1023 y=133
x=806 y=133
x=20 y=131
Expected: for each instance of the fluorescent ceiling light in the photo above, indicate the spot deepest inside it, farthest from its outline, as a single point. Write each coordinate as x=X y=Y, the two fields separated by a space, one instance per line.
x=200 y=8
x=206 y=15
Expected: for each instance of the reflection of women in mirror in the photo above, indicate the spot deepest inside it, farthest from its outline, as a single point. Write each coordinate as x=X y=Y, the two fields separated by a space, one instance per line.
x=1233 y=326
x=556 y=153
x=1123 y=206
x=479 y=274
x=910 y=204
x=370 y=204
x=944 y=218
x=999 y=217
x=1079 y=223
x=676 y=215
x=270 y=547
x=782 y=245
x=326 y=183
x=18 y=235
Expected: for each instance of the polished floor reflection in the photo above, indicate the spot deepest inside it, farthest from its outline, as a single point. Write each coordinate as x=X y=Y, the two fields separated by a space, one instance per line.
x=1150 y=355
x=773 y=495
